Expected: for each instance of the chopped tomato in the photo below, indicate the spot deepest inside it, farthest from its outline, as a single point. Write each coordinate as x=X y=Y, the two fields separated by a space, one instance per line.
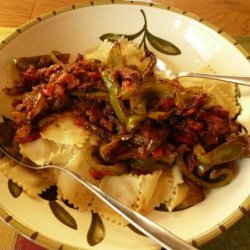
x=94 y=75
x=31 y=137
x=98 y=174
x=49 y=90
x=167 y=103
x=95 y=174
x=80 y=121
x=126 y=84
x=158 y=153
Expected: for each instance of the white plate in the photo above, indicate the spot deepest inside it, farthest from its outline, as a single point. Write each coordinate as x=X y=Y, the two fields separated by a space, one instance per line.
x=77 y=28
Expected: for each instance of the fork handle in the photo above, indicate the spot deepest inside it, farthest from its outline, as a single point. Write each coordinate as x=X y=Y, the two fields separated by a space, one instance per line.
x=242 y=80
x=160 y=235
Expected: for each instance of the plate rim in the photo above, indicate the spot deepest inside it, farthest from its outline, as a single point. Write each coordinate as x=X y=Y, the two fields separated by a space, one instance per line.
x=200 y=239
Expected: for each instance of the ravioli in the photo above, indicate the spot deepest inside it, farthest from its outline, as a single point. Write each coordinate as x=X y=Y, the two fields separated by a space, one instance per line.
x=171 y=190
x=39 y=151
x=132 y=190
x=225 y=93
x=31 y=181
x=227 y=102
x=63 y=130
x=70 y=189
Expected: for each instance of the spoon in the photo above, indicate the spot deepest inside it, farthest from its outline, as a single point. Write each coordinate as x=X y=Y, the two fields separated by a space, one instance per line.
x=241 y=80
x=160 y=235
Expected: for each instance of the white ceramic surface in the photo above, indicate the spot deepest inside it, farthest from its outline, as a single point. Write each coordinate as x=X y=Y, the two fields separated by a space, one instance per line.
x=78 y=28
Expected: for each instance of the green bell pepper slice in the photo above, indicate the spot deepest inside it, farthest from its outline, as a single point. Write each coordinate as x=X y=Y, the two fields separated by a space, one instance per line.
x=219 y=178
x=111 y=82
x=134 y=121
x=100 y=166
x=146 y=92
x=231 y=150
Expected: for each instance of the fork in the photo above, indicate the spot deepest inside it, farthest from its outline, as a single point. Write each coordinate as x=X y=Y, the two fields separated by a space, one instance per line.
x=241 y=80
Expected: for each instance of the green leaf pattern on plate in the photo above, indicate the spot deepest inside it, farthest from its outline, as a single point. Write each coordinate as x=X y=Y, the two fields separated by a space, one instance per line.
x=162 y=45
x=135 y=230
x=14 y=189
x=62 y=215
x=156 y=42
x=96 y=231
x=68 y=204
x=114 y=37
x=50 y=194
x=162 y=208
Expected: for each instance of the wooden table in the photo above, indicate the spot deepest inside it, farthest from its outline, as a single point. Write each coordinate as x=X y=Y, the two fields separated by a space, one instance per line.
x=233 y=16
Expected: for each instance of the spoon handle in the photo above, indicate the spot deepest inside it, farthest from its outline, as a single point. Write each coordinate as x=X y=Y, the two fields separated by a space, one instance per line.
x=146 y=226
x=242 y=80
